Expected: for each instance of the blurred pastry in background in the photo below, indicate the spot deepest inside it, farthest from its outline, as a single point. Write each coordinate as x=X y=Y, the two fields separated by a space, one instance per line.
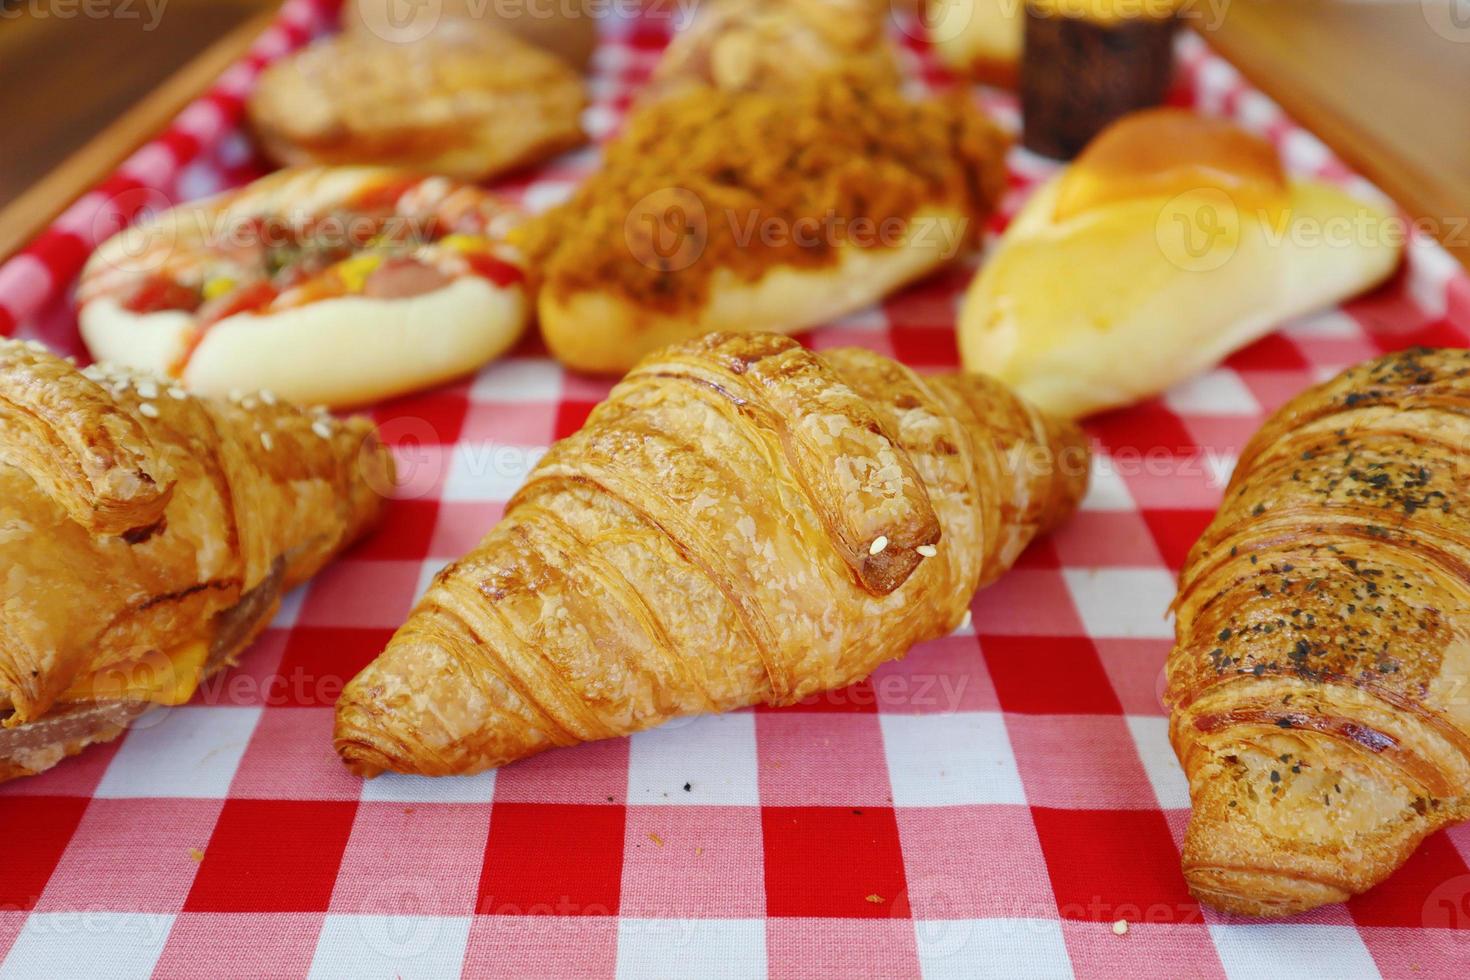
x=465 y=100
x=327 y=285
x=759 y=211
x=1084 y=63
x=978 y=38
x=1172 y=241
x=566 y=28
x=772 y=45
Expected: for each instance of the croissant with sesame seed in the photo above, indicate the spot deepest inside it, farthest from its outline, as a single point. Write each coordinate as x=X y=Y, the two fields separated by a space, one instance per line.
x=146 y=536
x=743 y=521
x=1318 y=690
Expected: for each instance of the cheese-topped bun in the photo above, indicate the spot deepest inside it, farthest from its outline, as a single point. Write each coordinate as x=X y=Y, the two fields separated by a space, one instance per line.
x=335 y=286
x=745 y=45
x=1172 y=241
x=465 y=100
x=759 y=211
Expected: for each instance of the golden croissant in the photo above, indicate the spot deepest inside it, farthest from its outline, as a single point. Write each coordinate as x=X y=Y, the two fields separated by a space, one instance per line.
x=146 y=537
x=743 y=521
x=1318 y=689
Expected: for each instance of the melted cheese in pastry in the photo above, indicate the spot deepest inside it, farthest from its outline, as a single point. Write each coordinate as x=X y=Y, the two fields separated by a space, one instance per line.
x=162 y=678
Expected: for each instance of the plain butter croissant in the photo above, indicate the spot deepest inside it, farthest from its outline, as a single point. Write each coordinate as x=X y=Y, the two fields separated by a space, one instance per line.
x=146 y=536
x=1317 y=689
x=743 y=521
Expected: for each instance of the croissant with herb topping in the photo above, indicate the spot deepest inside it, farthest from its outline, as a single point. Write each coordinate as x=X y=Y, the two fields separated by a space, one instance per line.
x=743 y=521
x=147 y=536
x=1318 y=690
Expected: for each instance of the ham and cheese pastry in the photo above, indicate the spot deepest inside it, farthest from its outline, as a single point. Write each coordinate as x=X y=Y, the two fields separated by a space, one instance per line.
x=466 y=100
x=334 y=286
x=772 y=45
x=759 y=211
x=743 y=521
x=1172 y=241
x=147 y=536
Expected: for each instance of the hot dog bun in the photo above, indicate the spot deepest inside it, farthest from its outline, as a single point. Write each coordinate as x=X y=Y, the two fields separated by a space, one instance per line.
x=247 y=291
x=339 y=352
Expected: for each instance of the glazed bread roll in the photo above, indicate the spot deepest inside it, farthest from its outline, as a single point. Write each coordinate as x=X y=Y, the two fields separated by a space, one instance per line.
x=1171 y=242
x=465 y=100
x=772 y=45
x=979 y=38
x=147 y=536
x=742 y=522
x=335 y=286
x=1316 y=692
x=759 y=211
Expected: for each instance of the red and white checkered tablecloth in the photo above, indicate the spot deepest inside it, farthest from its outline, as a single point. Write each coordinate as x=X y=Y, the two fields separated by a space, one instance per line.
x=989 y=806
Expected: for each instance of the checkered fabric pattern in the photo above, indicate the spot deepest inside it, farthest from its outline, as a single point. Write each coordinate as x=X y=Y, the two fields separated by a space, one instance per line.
x=988 y=806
